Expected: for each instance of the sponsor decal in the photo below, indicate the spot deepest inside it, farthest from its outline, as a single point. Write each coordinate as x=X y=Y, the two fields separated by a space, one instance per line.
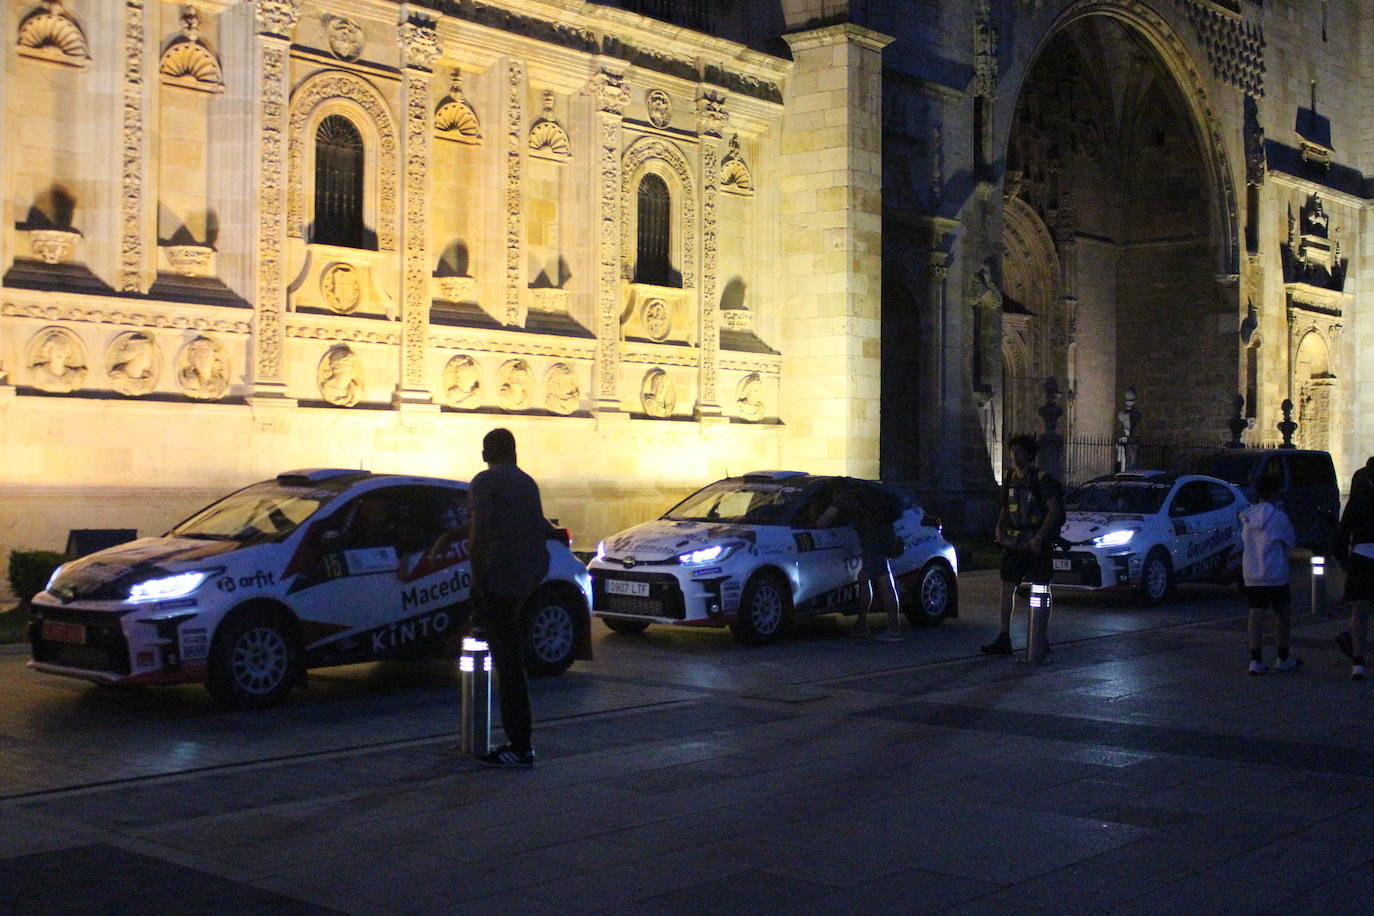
x=1210 y=543
x=441 y=556
x=844 y=596
x=409 y=632
x=454 y=588
x=259 y=579
x=195 y=644
x=707 y=571
x=365 y=560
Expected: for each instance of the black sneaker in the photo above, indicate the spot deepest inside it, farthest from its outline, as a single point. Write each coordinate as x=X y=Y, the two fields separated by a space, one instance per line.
x=505 y=756
x=999 y=646
x=1344 y=644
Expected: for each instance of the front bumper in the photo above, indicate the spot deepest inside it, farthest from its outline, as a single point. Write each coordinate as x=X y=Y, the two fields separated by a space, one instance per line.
x=662 y=594
x=107 y=643
x=1096 y=569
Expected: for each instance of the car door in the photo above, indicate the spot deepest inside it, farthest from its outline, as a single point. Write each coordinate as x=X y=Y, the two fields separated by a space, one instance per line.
x=435 y=575
x=826 y=559
x=1192 y=520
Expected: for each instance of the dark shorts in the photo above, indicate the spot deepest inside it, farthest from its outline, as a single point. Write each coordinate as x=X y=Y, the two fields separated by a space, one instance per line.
x=1359 y=579
x=1021 y=565
x=874 y=564
x=1266 y=596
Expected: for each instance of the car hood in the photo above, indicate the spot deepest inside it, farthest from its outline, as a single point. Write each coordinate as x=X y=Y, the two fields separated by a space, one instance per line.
x=1080 y=526
x=107 y=574
x=663 y=539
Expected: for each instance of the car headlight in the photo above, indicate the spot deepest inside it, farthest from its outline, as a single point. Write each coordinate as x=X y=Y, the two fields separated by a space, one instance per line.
x=1115 y=538
x=600 y=550
x=706 y=554
x=53 y=578
x=174 y=586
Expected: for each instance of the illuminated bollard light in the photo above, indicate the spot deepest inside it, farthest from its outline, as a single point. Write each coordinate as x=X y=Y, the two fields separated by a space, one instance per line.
x=1038 y=625
x=474 y=665
x=1318 y=584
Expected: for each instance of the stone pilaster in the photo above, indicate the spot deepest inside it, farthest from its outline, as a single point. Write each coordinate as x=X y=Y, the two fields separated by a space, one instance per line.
x=712 y=120
x=515 y=198
x=419 y=50
x=610 y=95
x=276 y=21
x=134 y=274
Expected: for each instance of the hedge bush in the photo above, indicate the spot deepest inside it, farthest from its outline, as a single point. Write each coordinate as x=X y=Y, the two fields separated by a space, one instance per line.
x=30 y=571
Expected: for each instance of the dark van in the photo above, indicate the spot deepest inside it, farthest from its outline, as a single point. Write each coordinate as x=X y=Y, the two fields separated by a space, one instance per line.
x=1309 y=493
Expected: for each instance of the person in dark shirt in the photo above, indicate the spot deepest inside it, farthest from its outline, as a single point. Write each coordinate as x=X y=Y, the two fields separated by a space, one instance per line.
x=509 y=560
x=1355 y=553
x=867 y=509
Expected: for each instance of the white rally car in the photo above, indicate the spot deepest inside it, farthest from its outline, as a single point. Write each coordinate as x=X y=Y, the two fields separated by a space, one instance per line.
x=1148 y=531
x=745 y=552
x=313 y=568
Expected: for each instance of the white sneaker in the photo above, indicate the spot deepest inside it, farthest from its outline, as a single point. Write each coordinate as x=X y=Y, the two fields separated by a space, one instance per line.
x=1291 y=663
x=1357 y=672
x=1258 y=668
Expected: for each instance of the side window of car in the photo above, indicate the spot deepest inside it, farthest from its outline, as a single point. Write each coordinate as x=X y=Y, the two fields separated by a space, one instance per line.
x=1311 y=471
x=1190 y=499
x=372 y=522
x=1219 y=497
x=1273 y=469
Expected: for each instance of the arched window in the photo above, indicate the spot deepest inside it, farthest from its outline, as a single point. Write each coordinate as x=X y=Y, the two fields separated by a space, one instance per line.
x=338 y=183
x=655 y=209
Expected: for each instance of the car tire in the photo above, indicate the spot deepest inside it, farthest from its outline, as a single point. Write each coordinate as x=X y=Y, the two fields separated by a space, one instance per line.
x=622 y=625
x=1156 y=578
x=765 y=611
x=255 y=659
x=551 y=620
x=933 y=599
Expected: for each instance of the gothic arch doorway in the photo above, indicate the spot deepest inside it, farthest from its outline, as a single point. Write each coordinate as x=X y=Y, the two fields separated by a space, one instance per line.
x=1314 y=388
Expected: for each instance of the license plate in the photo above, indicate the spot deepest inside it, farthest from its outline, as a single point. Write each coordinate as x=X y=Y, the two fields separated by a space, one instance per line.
x=64 y=632
x=1064 y=564
x=622 y=587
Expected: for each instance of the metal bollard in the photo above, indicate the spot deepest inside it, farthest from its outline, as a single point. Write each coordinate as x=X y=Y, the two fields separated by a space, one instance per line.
x=475 y=666
x=1318 y=584
x=1038 y=625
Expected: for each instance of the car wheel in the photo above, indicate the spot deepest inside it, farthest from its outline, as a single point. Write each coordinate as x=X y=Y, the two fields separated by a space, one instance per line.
x=764 y=611
x=1156 y=578
x=621 y=625
x=254 y=661
x=551 y=621
x=933 y=598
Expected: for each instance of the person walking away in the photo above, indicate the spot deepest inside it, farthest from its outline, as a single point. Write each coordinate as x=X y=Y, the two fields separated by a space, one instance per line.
x=1355 y=553
x=1027 y=527
x=509 y=560
x=1267 y=536
x=870 y=511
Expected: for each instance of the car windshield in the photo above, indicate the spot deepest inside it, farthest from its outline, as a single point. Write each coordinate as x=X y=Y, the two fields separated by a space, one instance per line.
x=263 y=512
x=1234 y=467
x=748 y=502
x=1132 y=497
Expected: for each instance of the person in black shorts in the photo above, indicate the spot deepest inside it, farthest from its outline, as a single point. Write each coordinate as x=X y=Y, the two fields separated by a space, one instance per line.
x=1355 y=553
x=1267 y=536
x=1032 y=514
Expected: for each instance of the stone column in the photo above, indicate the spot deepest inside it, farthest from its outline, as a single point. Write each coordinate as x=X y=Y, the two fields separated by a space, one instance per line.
x=712 y=118
x=610 y=95
x=134 y=221
x=276 y=21
x=831 y=193
x=419 y=50
x=516 y=311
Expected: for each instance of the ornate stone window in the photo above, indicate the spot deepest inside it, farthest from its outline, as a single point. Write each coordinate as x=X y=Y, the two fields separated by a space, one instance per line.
x=339 y=164
x=653 y=232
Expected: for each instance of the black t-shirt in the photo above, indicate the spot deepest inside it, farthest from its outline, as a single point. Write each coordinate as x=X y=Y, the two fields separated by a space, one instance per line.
x=1026 y=501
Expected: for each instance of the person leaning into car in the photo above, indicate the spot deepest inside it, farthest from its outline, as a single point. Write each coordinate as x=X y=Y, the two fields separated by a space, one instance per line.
x=1355 y=553
x=1032 y=514
x=509 y=560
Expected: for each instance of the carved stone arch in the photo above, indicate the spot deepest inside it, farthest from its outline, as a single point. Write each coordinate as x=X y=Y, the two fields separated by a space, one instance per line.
x=337 y=92
x=1315 y=392
x=654 y=154
x=1030 y=262
x=191 y=65
x=53 y=35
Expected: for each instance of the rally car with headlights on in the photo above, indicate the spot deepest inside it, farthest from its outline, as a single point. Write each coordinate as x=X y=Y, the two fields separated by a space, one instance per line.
x=1147 y=531
x=745 y=552
x=312 y=568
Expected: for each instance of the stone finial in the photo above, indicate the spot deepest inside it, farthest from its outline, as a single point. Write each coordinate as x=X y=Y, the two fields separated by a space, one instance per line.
x=1286 y=426
x=1237 y=424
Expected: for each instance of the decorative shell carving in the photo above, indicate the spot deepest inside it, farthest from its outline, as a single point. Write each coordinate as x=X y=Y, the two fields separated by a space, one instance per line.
x=52 y=34
x=658 y=319
x=340 y=376
x=345 y=38
x=658 y=394
x=341 y=287
x=56 y=360
x=735 y=176
x=548 y=139
x=187 y=61
x=514 y=381
x=133 y=363
x=462 y=383
x=455 y=118
x=562 y=393
x=749 y=398
x=203 y=370
x=660 y=106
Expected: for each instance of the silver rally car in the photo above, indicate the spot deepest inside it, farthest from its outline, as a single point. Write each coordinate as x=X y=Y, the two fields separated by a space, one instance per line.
x=744 y=552
x=312 y=568
x=1148 y=531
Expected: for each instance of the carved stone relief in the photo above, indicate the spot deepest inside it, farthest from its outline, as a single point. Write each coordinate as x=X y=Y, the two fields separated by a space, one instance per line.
x=345 y=37
x=133 y=154
x=187 y=62
x=660 y=106
x=735 y=175
x=133 y=363
x=340 y=376
x=548 y=139
x=711 y=114
x=340 y=287
x=516 y=306
x=462 y=383
x=562 y=393
x=657 y=394
x=56 y=360
x=52 y=246
x=737 y=319
x=276 y=20
x=455 y=118
x=277 y=17
x=1235 y=48
x=190 y=260
x=52 y=34
x=658 y=319
x=514 y=385
x=610 y=96
x=1314 y=254
x=749 y=398
x=203 y=370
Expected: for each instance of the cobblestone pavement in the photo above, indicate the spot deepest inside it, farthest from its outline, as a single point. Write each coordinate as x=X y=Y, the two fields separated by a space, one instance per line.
x=1141 y=771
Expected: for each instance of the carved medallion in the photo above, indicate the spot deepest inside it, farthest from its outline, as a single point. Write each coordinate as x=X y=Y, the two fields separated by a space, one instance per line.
x=133 y=363
x=56 y=360
x=562 y=393
x=514 y=381
x=749 y=398
x=462 y=383
x=658 y=319
x=341 y=287
x=345 y=38
x=658 y=394
x=340 y=376
x=203 y=370
x=660 y=107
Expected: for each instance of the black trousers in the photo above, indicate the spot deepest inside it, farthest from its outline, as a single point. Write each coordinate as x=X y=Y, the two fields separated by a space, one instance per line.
x=500 y=616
